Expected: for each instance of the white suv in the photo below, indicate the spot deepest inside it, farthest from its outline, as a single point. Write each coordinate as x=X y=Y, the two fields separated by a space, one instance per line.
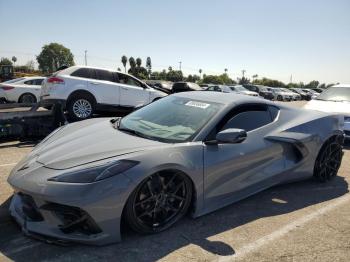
x=84 y=90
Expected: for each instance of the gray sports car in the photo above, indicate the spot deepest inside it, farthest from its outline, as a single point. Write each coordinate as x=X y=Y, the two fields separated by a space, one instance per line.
x=189 y=152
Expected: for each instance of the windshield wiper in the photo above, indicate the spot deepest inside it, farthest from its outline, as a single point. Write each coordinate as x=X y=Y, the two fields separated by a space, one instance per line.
x=136 y=133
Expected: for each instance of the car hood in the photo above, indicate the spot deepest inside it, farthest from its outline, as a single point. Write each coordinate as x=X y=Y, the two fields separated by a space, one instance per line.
x=329 y=106
x=88 y=141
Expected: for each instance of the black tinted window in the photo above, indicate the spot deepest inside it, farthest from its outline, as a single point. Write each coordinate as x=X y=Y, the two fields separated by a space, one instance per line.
x=83 y=72
x=38 y=81
x=128 y=80
x=104 y=75
x=273 y=112
x=29 y=82
x=249 y=120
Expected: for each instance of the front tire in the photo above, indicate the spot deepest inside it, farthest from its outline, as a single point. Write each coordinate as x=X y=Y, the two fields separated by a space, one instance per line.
x=80 y=107
x=279 y=98
x=329 y=159
x=158 y=202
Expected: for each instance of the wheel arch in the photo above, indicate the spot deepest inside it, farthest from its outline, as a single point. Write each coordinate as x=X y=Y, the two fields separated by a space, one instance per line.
x=192 y=210
x=27 y=93
x=81 y=92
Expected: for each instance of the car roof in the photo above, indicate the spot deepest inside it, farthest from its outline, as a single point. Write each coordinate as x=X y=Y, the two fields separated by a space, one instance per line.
x=69 y=69
x=223 y=98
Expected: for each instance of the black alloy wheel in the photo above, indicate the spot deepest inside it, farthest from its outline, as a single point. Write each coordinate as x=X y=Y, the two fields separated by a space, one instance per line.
x=329 y=160
x=158 y=202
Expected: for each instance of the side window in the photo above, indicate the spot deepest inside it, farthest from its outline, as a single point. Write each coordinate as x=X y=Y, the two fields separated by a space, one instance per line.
x=38 y=82
x=29 y=82
x=274 y=110
x=104 y=75
x=249 y=118
x=127 y=80
x=83 y=72
x=211 y=88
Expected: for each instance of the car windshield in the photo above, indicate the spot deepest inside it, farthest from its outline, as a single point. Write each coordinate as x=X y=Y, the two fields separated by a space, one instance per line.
x=171 y=119
x=335 y=94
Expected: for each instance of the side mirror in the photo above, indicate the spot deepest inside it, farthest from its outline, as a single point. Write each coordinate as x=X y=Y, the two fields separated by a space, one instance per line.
x=231 y=135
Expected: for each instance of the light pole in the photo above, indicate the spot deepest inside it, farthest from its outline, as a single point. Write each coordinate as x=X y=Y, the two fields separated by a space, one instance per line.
x=85 y=57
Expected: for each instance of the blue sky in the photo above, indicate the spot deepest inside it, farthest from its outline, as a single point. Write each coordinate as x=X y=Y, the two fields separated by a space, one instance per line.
x=271 y=38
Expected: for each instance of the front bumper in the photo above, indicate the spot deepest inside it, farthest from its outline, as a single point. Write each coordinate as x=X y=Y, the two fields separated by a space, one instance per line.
x=63 y=213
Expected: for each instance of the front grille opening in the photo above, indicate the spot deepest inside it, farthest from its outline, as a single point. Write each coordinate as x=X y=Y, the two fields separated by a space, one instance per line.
x=73 y=219
x=29 y=208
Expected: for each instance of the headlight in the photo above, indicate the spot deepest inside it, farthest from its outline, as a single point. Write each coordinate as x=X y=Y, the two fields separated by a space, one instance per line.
x=97 y=173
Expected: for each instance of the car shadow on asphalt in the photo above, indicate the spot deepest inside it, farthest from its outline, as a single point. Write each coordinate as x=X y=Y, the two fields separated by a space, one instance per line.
x=279 y=200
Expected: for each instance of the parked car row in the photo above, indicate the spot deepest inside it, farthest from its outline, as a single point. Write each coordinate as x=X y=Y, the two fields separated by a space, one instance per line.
x=84 y=91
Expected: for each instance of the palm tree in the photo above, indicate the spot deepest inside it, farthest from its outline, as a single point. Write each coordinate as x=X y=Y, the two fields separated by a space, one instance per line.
x=14 y=60
x=170 y=68
x=132 y=64
x=254 y=77
x=225 y=70
x=124 y=61
x=149 y=66
x=200 y=73
x=138 y=62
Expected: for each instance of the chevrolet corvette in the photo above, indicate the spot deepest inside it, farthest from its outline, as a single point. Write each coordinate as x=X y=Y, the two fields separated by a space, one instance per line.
x=188 y=153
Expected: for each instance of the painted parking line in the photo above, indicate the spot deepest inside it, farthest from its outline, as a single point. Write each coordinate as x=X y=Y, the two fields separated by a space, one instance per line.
x=254 y=246
x=9 y=164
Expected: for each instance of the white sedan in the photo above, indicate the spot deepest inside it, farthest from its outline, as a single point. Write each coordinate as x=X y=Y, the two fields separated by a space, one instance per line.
x=21 y=90
x=335 y=99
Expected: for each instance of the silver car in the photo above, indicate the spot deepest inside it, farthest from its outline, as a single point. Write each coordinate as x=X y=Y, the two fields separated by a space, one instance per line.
x=191 y=152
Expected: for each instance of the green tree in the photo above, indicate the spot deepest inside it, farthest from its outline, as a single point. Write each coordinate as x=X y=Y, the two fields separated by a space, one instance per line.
x=170 y=68
x=212 y=79
x=268 y=82
x=5 y=61
x=243 y=80
x=53 y=56
x=200 y=73
x=312 y=84
x=174 y=75
x=124 y=61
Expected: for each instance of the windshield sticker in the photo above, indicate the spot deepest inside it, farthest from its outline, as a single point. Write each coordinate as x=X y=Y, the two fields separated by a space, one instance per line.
x=197 y=104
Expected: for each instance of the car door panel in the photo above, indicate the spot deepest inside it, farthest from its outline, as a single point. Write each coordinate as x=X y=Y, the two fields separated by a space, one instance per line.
x=132 y=93
x=234 y=171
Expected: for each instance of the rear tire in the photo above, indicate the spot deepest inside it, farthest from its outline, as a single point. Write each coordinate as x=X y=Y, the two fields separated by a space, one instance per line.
x=158 y=202
x=279 y=98
x=27 y=98
x=81 y=106
x=329 y=159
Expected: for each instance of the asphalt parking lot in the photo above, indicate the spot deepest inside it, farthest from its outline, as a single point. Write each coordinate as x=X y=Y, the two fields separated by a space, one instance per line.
x=302 y=221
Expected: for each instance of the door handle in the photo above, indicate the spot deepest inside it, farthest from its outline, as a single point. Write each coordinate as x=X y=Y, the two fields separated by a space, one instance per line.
x=94 y=83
